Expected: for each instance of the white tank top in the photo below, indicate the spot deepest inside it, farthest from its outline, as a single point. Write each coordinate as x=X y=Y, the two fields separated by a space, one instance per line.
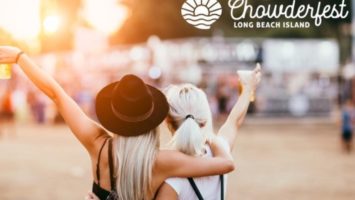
x=209 y=186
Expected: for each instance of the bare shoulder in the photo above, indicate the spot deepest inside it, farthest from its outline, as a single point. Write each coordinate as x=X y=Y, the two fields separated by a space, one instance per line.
x=100 y=143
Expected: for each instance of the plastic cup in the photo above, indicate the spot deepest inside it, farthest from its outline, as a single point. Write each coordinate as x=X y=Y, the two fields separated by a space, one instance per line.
x=245 y=75
x=5 y=71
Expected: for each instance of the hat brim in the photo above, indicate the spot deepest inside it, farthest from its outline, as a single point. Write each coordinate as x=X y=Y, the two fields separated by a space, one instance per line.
x=115 y=125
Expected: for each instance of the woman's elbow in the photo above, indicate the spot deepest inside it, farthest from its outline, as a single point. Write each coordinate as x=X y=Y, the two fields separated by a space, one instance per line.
x=229 y=166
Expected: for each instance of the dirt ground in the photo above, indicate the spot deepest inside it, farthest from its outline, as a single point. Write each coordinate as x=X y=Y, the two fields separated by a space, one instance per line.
x=274 y=161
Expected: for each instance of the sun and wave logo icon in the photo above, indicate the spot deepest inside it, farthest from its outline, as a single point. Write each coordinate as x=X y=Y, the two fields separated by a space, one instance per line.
x=201 y=13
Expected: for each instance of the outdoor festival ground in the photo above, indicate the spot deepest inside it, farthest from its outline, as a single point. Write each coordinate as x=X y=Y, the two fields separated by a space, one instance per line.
x=276 y=161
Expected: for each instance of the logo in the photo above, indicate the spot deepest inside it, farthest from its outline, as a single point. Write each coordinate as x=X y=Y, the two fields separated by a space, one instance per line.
x=293 y=15
x=201 y=13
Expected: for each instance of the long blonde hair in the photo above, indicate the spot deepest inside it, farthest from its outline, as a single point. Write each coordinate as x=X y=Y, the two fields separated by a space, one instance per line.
x=135 y=158
x=189 y=117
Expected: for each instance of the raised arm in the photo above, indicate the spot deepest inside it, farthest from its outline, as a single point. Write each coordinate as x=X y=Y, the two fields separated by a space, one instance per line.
x=84 y=128
x=236 y=117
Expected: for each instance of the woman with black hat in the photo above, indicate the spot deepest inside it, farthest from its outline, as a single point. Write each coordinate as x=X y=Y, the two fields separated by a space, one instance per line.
x=128 y=166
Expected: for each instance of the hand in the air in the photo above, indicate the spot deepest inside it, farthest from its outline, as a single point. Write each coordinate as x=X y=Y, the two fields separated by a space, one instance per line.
x=250 y=79
x=8 y=54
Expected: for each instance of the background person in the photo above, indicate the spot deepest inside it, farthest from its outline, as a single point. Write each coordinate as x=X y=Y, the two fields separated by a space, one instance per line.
x=347 y=116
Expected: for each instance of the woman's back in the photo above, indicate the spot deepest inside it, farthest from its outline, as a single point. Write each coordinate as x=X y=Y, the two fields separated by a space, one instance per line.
x=105 y=168
x=209 y=186
x=167 y=163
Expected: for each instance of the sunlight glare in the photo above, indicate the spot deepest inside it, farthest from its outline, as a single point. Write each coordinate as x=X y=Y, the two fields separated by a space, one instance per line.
x=105 y=15
x=20 y=18
x=51 y=23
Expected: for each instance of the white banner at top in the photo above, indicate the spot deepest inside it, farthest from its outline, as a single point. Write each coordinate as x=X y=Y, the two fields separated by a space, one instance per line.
x=301 y=55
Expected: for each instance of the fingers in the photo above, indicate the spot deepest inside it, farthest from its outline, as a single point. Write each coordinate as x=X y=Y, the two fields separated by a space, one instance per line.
x=90 y=196
x=257 y=72
x=8 y=54
x=257 y=68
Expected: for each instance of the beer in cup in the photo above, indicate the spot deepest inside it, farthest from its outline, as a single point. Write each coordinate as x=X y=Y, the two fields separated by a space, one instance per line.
x=5 y=71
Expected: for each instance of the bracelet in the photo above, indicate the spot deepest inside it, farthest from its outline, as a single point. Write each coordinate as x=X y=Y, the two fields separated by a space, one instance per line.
x=18 y=56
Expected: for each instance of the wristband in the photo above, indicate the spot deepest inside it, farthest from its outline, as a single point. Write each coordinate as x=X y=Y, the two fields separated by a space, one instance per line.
x=18 y=56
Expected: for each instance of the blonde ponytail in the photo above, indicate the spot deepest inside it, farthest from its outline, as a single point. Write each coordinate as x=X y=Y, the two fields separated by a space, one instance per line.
x=190 y=118
x=188 y=138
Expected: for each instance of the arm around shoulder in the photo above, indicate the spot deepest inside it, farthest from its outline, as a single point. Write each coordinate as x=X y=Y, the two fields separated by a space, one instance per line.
x=177 y=164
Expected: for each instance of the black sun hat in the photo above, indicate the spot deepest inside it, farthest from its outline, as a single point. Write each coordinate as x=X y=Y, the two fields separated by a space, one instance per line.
x=130 y=107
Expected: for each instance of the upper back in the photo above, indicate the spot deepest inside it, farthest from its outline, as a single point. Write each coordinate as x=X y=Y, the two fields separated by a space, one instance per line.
x=167 y=163
x=101 y=169
x=209 y=186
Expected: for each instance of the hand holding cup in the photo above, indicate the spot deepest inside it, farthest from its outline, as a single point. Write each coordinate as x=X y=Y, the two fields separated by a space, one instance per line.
x=8 y=56
x=250 y=79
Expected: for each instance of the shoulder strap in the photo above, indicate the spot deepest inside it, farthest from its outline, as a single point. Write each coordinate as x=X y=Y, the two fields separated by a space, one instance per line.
x=110 y=162
x=98 y=163
x=194 y=187
x=221 y=177
x=197 y=191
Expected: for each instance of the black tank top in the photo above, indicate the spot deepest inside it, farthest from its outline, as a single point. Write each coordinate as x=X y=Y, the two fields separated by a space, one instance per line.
x=96 y=188
x=101 y=193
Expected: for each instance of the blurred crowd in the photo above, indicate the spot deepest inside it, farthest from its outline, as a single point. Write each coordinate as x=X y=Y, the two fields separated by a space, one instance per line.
x=21 y=101
x=210 y=63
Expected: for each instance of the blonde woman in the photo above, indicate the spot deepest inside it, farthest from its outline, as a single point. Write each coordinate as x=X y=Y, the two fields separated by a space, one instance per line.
x=190 y=121
x=129 y=165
